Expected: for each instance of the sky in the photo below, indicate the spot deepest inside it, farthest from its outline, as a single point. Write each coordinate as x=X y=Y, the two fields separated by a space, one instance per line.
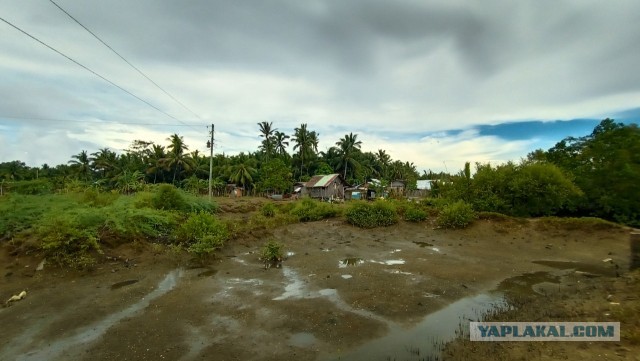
x=436 y=83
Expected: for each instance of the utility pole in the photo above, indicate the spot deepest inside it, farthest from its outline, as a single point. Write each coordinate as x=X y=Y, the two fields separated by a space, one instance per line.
x=211 y=162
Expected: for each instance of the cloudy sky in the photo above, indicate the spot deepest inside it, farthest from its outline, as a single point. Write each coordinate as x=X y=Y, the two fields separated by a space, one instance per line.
x=436 y=83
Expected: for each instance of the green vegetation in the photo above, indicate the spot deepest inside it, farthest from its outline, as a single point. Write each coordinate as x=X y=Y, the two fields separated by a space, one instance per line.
x=456 y=215
x=268 y=210
x=415 y=214
x=370 y=215
x=202 y=233
x=272 y=254
x=312 y=210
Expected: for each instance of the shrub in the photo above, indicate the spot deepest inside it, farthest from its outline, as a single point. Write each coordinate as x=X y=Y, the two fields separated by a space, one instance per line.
x=456 y=215
x=202 y=232
x=311 y=210
x=95 y=198
x=168 y=197
x=268 y=210
x=415 y=214
x=366 y=215
x=272 y=254
x=133 y=224
x=65 y=242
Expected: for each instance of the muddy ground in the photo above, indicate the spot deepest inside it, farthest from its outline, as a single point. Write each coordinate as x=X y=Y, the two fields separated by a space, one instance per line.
x=343 y=293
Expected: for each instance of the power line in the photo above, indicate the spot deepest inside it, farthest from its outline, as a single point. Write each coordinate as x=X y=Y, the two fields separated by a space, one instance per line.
x=91 y=71
x=125 y=60
x=95 y=121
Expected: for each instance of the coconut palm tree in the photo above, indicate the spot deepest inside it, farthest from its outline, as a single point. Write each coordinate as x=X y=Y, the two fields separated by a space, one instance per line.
x=81 y=164
x=303 y=142
x=281 y=142
x=155 y=162
x=268 y=143
x=177 y=158
x=348 y=146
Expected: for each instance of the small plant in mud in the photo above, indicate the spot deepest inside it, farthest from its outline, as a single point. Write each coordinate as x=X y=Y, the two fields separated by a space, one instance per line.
x=272 y=254
x=456 y=215
x=203 y=233
x=268 y=210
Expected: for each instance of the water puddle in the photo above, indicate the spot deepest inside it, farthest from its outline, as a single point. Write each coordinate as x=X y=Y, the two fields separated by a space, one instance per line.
x=118 y=285
x=425 y=340
x=346 y=277
x=423 y=244
x=295 y=288
x=395 y=251
x=578 y=266
x=208 y=273
x=302 y=339
x=389 y=262
x=90 y=333
x=350 y=261
x=524 y=284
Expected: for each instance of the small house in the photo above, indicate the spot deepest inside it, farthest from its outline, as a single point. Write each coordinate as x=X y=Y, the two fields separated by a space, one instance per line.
x=363 y=191
x=329 y=186
x=397 y=187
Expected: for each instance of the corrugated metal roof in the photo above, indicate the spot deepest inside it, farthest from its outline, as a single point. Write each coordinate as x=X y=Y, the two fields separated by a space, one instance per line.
x=321 y=180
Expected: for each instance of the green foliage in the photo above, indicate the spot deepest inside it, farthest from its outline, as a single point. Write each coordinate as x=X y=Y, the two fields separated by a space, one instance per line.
x=33 y=187
x=268 y=210
x=67 y=239
x=272 y=253
x=96 y=198
x=528 y=189
x=415 y=214
x=606 y=166
x=572 y=223
x=456 y=215
x=202 y=232
x=311 y=210
x=168 y=197
x=366 y=215
x=276 y=176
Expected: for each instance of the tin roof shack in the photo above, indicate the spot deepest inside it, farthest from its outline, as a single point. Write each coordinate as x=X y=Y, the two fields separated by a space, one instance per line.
x=397 y=188
x=325 y=186
x=362 y=191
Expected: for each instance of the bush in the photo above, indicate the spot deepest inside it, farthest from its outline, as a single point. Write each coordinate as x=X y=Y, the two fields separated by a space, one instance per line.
x=65 y=241
x=272 y=254
x=415 y=214
x=96 y=198
x=311 y=210
x=456 y=215
x=132 y=224
x=33 y=187
x=202 y=232
x=268 y=210
x=168 y=197
x=366 y=215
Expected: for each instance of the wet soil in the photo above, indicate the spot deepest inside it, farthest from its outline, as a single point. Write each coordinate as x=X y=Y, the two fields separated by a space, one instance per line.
x=343 y=293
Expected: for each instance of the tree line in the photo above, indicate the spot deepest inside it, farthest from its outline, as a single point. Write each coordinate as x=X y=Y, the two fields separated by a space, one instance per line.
x=271 y=168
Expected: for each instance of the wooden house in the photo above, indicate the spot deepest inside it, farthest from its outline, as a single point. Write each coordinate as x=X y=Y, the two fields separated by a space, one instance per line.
x=329 y=186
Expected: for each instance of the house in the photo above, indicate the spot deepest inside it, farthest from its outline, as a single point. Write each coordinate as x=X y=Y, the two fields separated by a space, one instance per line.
x=329 y=186
x=234 y=191
x=363 y=191
x=397 y=187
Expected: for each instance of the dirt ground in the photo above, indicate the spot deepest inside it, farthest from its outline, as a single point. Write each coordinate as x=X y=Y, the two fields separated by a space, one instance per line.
x=343 y=293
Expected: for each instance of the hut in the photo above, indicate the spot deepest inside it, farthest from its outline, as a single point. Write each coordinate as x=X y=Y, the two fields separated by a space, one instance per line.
x=329 y=186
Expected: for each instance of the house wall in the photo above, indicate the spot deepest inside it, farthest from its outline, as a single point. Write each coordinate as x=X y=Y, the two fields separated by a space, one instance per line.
x=335 y=190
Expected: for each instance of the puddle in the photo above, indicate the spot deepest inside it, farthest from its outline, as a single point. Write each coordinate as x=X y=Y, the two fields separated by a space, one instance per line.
x=395 y=251
x=398 y=272
x=118 y=285
x=435 y=249
x=295 y=288
x=346 y=277
x=289 y=254
x=207 y=273
x=85 y=335
x=423 y=244
x=578 y=266
x=390 y=262
x=425 y=340
x=524 y=284
x=302 y=339
x=350 y=261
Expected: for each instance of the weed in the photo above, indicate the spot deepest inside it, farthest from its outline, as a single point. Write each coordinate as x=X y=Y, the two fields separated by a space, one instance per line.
x=312 y=210
x=415 y=214
x=268 y=210
x=456 y=215
x=365 y=215
x=202 y=232
x=272 y=254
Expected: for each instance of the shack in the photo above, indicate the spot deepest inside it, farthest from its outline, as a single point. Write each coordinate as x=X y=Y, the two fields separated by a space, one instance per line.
x=325 y=187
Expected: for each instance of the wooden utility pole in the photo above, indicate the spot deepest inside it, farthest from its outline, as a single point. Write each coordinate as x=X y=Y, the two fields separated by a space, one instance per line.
x=211 y=163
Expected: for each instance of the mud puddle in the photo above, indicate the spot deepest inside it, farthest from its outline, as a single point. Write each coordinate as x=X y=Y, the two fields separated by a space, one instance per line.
x=592 y=269
x=85 y=335
x=426 y=339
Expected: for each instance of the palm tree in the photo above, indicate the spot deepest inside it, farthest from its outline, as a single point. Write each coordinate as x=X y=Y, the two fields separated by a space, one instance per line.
x=176 y=158
x=383 y=160
x=266 y=132
x=155 y=161
x=281 y=142
x=242 y=173
x=104 y=161
x=303 y=143
x=81 y=164
x=349 y=145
